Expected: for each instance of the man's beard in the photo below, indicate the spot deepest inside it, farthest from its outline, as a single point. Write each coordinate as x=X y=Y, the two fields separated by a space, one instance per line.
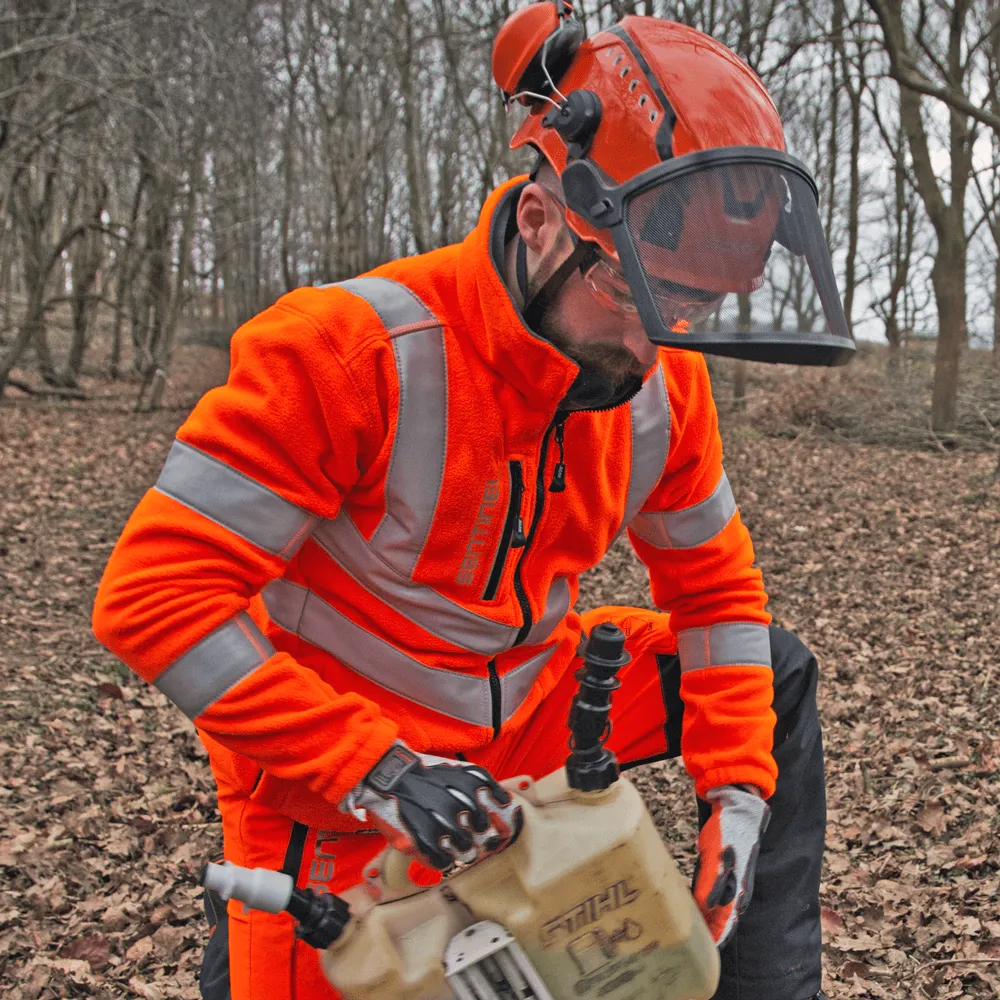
x=613 y=363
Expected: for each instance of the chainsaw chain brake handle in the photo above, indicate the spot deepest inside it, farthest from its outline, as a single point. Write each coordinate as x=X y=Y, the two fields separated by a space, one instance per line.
x=389 y=875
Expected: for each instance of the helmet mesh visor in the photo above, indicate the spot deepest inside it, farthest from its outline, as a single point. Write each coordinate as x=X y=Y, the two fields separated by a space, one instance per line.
x=735 y=248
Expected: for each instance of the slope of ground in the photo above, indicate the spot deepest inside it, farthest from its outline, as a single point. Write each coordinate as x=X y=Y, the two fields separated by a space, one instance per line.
x=883 y=559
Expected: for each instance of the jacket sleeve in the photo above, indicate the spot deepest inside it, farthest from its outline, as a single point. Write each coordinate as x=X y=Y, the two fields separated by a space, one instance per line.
x=701 y=567
x=259 y=461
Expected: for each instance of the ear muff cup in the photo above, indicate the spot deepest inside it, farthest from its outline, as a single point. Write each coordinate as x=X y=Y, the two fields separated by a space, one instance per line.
x=558 y=51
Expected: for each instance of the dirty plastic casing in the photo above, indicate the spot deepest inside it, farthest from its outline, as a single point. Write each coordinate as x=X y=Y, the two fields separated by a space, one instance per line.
x=588 y=890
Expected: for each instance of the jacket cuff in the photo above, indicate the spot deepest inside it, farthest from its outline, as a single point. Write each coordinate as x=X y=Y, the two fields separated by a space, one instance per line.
x=382 y=734
x=760 y=777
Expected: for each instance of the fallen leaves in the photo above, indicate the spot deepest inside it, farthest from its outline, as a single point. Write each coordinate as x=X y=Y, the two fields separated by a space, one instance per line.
x=883 y=560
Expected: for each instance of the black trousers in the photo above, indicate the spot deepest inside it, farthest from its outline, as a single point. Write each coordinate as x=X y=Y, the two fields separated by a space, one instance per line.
x=775 y=953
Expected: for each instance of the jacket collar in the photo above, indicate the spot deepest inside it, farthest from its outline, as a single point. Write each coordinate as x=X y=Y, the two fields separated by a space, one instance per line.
x=537 y=369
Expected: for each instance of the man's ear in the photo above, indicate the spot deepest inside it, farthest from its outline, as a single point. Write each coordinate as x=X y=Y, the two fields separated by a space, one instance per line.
x=539 y=219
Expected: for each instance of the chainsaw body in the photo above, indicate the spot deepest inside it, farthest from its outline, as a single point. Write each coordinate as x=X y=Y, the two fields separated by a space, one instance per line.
x=588 y=892
x=586 y=904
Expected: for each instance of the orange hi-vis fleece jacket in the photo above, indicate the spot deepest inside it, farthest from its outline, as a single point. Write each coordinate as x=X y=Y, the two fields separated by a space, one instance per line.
x=354 y=539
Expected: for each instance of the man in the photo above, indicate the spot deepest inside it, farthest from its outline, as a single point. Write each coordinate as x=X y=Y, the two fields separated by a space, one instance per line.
x=362 y=554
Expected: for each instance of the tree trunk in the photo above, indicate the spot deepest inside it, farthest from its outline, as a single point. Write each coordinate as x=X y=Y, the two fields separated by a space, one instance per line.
x=946 y=215
x=34 y=318
x=948 y=279
x=415 y=174
x=853 y=203
x=173 y=304
x=893 y=336
x=740 y=377
x=996 y=306
x=86 y=265
x=152 y=304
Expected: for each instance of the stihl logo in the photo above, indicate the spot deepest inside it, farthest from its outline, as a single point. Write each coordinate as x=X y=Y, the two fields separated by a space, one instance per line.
x=480 y=532
x=588 y=911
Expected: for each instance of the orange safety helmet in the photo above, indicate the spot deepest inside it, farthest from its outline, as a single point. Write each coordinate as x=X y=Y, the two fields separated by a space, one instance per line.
x=672 y=157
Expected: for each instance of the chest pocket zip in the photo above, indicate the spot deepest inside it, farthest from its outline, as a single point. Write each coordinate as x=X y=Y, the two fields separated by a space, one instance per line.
x=513 y=536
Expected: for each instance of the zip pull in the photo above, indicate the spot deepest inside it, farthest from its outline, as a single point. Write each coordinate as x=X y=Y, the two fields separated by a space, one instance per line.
x=558 y=483
x=518 y=538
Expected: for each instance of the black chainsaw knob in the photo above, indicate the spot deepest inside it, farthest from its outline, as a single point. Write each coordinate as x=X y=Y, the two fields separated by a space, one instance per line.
x=590 y=766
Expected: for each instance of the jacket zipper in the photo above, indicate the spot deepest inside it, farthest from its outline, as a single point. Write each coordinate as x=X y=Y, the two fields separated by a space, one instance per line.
x=513 y=530
x=495 y=695
x=522 y=597
x=557 y=485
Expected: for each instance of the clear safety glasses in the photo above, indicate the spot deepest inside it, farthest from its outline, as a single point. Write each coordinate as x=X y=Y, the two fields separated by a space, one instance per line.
x=679 y=305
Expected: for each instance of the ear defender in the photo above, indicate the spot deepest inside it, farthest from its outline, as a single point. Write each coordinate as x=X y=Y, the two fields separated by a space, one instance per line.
x=534 y=48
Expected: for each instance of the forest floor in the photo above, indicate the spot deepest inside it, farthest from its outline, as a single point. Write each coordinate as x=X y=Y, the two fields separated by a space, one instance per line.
x=879 y=544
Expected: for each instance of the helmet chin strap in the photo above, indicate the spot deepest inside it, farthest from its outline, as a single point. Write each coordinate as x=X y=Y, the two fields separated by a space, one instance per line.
x=584 y=255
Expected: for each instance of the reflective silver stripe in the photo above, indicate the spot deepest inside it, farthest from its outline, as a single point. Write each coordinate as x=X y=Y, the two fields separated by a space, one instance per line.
x=384 y=565
x=235 y=501
x=199 y=678
x=416 y=468
x=650 y=442
x=556 y=606
x=692 y=526
x=724 y=645
x=422 y=604
x=514 y=686
x=451 y=693
x=395 y=305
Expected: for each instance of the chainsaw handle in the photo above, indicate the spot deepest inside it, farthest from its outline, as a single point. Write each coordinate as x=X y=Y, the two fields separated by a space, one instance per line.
x=387 y=875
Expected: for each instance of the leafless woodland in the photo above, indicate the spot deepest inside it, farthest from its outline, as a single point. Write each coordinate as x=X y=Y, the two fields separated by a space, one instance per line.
x=170 y=167
x=177 y=165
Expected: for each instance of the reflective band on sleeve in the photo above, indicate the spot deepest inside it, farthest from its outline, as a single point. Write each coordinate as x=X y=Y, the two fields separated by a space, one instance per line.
x=199 y=678
x=650 y=409
x=458 y=695
x=235 y=501
x=725 y=645
x=692 y=526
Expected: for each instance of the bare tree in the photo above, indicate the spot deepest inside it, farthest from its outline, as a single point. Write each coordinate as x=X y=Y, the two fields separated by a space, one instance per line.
x=944 y=200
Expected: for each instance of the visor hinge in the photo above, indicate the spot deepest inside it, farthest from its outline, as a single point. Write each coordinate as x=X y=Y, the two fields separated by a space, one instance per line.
x=600 y=208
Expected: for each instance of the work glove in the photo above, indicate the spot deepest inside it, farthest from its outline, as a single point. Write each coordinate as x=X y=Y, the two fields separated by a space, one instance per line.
x=727 y=855
x=445 y=811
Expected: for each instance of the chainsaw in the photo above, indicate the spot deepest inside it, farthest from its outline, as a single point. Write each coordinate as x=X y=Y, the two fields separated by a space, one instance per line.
x=586 y=902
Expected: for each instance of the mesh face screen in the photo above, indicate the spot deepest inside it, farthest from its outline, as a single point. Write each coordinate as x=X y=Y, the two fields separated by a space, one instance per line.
x=735 y=248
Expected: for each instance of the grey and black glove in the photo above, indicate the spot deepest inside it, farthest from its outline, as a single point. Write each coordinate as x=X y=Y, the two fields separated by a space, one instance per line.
x=444 y=811
x=727 y=856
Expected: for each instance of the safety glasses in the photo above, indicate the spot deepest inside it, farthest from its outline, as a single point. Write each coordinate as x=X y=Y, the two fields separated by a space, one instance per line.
x=680 y=305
